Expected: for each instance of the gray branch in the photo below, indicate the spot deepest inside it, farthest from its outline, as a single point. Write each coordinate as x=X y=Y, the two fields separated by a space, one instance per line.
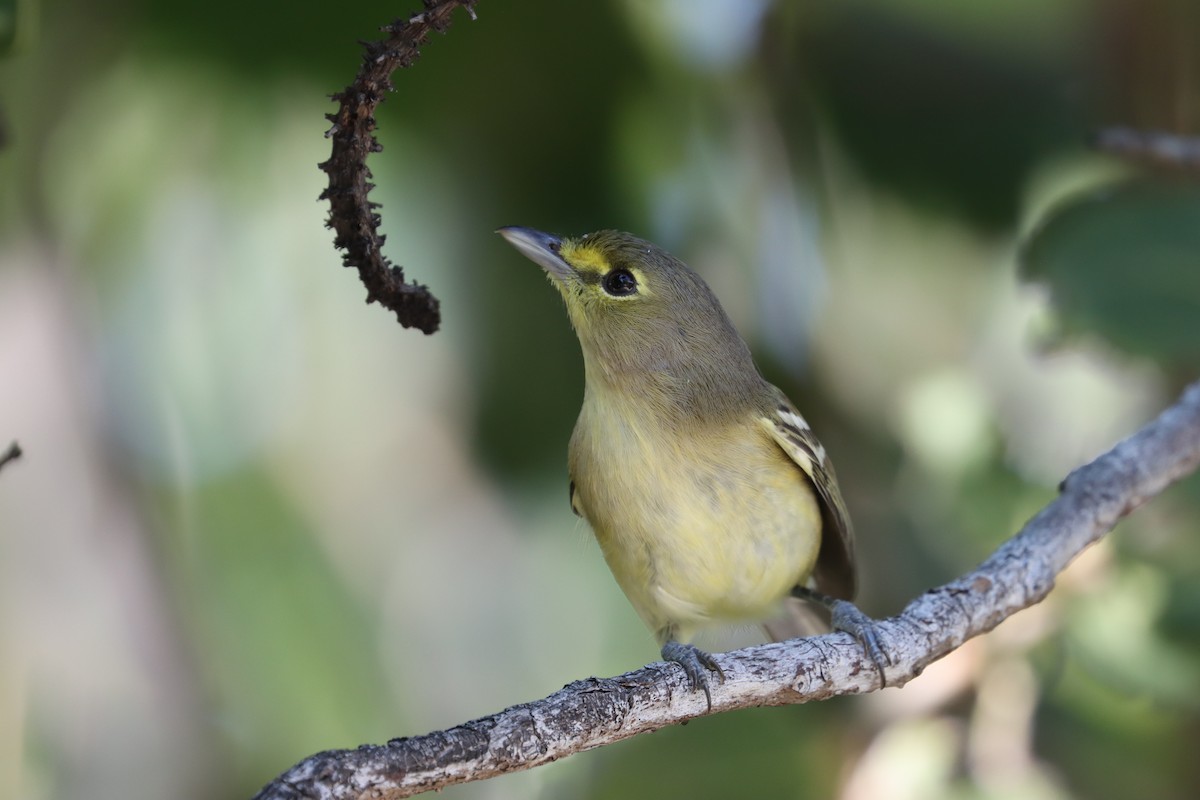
x=598 y=711
x=1156 y=148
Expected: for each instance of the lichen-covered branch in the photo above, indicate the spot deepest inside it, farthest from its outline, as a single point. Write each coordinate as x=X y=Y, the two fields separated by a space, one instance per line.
x=352 y=215
x=595 y=712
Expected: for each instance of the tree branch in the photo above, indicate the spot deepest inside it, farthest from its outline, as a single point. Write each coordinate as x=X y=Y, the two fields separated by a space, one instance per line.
x=1155 y=148
x=595 y=712
x=351 y=215
x=11 y=454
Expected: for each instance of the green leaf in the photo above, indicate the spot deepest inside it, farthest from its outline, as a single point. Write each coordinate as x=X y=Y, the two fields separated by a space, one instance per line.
x=8 y=25
x=1124 y=262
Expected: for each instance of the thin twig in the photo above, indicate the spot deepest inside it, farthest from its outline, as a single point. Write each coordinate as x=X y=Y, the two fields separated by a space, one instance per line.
x=11 y=454
x=352 y=215
x=595 y=712
x=1155 y=148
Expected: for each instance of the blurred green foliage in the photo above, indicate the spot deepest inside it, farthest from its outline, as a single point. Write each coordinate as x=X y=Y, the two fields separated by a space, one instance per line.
x=1124 y=261
x=257 y=519
x=781 y=750
x=912 y=96
x=8 y=24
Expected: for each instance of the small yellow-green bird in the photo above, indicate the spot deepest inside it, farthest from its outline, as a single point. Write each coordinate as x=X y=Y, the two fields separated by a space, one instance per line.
x=707 y=491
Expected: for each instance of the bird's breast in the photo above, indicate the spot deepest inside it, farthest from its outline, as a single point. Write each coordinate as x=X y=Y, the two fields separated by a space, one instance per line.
x=711 y=523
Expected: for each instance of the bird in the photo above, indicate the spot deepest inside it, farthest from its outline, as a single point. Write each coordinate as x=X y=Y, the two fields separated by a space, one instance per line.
x=708 y=493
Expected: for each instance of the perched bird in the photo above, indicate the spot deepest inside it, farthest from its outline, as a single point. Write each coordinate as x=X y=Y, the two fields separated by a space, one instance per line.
x=708 y=493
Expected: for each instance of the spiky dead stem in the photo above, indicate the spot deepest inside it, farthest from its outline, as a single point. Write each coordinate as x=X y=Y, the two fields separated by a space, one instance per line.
x=352 y=216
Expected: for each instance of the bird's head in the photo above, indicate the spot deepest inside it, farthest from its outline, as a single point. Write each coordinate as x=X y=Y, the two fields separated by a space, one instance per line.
x=635 y=307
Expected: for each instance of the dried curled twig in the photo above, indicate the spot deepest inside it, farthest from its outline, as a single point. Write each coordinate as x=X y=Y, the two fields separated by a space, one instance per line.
x=351 y=215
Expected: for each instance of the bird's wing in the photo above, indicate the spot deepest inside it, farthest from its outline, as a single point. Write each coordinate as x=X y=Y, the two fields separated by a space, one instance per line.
x=834 y=573
x=571 y=494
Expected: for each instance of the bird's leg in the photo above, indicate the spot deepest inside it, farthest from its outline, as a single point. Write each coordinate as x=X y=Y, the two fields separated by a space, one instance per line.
x=695 y=662
x=845 y=616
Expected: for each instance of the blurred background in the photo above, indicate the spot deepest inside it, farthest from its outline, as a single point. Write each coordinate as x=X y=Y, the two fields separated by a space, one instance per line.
x=256 y=519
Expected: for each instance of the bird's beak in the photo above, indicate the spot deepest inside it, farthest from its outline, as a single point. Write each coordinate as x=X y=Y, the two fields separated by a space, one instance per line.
x=540 y=248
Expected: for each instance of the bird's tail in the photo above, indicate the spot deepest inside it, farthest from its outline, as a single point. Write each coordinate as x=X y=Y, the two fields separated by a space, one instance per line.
x=796 y=620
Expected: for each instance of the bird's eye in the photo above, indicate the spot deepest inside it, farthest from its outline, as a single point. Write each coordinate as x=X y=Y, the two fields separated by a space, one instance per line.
x=620 y=283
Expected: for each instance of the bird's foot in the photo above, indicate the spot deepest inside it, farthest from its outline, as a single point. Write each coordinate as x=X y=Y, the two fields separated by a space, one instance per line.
x=845 y=616
x=696 y=664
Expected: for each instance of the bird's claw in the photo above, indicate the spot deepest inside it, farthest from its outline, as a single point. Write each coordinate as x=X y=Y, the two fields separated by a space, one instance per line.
x=696 y=665
x=845 y=616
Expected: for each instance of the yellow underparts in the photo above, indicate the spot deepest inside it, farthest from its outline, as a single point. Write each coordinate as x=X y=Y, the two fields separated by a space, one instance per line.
x=718 y=525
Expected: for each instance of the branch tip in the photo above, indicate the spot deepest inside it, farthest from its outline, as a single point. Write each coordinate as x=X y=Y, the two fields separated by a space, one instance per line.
x=13 y=452
x=1153 y=148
